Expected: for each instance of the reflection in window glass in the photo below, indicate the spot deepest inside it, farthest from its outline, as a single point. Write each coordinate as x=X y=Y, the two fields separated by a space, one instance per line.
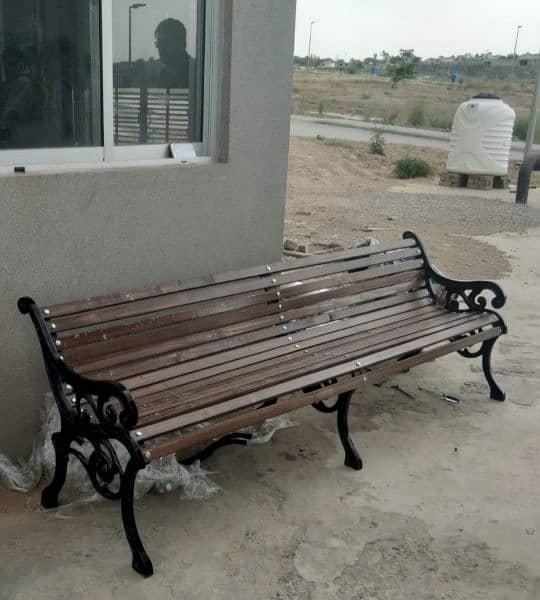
x=50 y=84
x=157 y=54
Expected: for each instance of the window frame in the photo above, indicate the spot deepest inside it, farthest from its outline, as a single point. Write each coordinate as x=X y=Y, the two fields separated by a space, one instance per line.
x=109 y=154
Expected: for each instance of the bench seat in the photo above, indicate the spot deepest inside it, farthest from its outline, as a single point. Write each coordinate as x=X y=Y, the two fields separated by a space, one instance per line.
x=175 y=366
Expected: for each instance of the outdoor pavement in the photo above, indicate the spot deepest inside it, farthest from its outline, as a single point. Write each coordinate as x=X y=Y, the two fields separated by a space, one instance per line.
x=447 y=506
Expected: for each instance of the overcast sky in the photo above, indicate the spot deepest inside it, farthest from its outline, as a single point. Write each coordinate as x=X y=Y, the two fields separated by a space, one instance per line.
x=145 y=19
x=359 y=28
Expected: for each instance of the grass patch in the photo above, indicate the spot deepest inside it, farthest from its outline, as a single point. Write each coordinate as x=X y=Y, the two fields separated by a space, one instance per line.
x=441 y=121
x=333 y=143
x=391 y=118
x=521 y=126
x=417 y=115
x=410 y=168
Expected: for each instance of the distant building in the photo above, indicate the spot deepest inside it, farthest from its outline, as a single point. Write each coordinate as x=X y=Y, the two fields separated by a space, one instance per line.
x=328 y=64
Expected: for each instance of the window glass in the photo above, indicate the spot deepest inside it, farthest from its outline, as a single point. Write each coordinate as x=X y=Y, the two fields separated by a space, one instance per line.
x=157 y=70
x=50 y=84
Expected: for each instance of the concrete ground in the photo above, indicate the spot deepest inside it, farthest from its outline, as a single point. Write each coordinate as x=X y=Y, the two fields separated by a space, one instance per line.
x=447 y=506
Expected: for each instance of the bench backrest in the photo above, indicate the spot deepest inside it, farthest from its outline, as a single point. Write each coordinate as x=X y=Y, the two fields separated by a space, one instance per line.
x=122 y=336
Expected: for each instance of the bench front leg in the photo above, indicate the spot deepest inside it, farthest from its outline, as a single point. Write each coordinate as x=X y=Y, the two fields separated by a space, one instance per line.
x=496 y=393
x=141 y=562
x=49 y=496
x=341 y=406
x=352 y=458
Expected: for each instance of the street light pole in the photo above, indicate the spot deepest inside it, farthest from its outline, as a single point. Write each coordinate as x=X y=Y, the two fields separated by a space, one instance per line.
x=131 y=8
x=309 y=50
x=534 y=116
x=514 y=55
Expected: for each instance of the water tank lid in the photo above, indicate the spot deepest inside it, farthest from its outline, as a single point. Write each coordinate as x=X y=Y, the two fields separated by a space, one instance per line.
x=485 y=96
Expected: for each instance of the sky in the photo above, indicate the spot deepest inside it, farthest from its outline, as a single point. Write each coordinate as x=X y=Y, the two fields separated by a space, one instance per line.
x=144 y=22
x=359 y=28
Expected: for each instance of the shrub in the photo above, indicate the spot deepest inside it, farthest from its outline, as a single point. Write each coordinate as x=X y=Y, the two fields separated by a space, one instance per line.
x=322 y=107
x=441 y=121
x=392 y=118
x=402 y=66
x=417 y=115
x=409 y=168
x=521 y=127
x=377 y=143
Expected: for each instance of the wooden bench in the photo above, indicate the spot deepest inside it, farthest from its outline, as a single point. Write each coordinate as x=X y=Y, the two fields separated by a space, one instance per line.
x=204 y=359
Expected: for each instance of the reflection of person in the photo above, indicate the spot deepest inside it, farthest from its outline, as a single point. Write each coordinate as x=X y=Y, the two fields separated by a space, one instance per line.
x=171 y=42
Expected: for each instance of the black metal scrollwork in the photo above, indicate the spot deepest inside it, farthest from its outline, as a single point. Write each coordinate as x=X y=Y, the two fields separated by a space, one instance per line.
x=97 y=397
x=470 y=295
x=105 y=402
x=103 y=467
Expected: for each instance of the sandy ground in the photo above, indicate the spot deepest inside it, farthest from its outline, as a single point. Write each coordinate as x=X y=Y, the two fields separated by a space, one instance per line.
x=447 y=506
x=339 y=193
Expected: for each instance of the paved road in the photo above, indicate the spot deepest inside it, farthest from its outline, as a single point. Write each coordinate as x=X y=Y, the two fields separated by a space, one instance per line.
x=360 y=131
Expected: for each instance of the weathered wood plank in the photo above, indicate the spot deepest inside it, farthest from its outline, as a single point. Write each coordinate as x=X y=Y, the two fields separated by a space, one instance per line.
x=305 y=381
x=300 y=400
x=97 y=302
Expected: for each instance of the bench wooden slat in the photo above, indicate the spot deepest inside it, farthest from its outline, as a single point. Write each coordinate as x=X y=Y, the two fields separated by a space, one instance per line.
x=170 y=301
x=274 y=337
x=170 y=405
x=170 y=378
x=369 y=279
x=299 y=400
x=132 y=349
x=292 y=351
x=102 y=301
x=193 y=318
x=203 y=318
x=357 y=347
x=170 y=358
x=185 y=334
x=305 y=381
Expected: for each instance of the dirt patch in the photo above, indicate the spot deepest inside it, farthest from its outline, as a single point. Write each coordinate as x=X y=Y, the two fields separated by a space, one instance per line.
x=339 y=193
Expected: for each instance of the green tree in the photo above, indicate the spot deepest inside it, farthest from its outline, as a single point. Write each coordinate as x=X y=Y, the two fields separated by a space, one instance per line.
x=402 y=66
x=355 y=66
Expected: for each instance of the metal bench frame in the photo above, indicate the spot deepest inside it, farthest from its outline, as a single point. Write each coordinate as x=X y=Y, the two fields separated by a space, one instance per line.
x=89 y=417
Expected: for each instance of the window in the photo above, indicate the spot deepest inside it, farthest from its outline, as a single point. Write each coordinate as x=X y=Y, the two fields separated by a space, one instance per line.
x=105 y=80
x=50 y=95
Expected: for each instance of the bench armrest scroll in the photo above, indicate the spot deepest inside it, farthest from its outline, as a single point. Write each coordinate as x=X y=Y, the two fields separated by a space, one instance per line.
x=470 y=293
x=100 y=396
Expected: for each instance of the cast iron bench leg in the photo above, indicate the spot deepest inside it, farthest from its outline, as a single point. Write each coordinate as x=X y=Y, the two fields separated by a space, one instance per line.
x=49 y=496
x=341 y=406
x=495 y=391
x=352 y=458
x=141 y=562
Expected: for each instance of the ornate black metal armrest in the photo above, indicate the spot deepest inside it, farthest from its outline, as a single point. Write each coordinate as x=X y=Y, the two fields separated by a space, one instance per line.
x=98 y=397
x=470 y=293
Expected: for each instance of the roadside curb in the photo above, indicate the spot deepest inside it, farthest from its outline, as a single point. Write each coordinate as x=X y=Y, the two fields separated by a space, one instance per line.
x=355 y=123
